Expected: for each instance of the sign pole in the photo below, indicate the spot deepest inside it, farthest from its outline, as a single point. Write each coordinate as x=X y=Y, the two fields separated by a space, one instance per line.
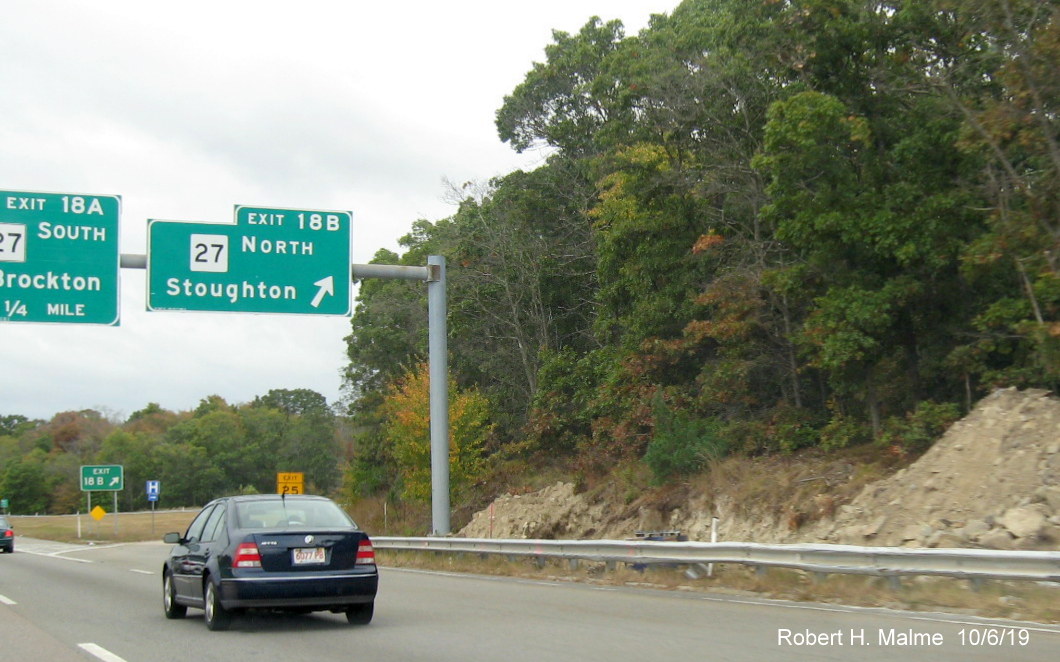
x=439 y=406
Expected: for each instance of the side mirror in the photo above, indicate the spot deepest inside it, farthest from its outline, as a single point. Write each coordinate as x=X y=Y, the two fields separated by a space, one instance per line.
x=172 y=538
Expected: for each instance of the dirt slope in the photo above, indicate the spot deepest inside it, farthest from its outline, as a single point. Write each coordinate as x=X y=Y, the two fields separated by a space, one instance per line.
x=993 y=480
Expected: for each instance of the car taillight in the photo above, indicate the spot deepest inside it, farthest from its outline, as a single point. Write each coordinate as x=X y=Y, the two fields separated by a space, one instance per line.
x=365 y=553
x=247 y=556
x=9 y=534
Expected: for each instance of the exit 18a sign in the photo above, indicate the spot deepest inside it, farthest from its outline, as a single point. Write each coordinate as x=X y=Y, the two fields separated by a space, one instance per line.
x=59 y=258
x=270 y=261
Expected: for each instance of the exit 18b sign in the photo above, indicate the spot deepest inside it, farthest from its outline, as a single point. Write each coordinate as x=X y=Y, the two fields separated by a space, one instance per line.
x=270 y=260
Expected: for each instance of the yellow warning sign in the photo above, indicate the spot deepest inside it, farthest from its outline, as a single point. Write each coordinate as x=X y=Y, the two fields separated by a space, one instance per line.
x=98 y=513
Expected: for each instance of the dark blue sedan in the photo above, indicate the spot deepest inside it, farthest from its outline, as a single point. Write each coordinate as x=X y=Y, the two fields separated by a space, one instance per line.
x=293 y=553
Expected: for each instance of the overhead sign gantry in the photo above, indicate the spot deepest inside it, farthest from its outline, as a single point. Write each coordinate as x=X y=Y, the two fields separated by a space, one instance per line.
x=59 y=262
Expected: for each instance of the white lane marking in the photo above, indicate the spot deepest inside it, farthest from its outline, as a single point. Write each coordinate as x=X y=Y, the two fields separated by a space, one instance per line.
x=7 y=601
x=141 y=572
x=101 y=653
x=58 y=550
x=57 y=555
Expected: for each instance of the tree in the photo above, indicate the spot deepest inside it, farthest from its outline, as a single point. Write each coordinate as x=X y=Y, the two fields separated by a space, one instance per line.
x=15 y=424
x=305 y=439
x=522 y=283
x=407 y=432
x=564 y=102
x=294 y=402
x=995 y=63
x=137 y=452
x=24 y=484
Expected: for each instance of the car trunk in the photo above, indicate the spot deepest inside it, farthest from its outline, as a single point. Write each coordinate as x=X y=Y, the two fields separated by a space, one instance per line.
x=308 y=550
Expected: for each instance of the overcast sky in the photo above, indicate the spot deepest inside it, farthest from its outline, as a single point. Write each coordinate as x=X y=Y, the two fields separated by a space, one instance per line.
x=188 y=109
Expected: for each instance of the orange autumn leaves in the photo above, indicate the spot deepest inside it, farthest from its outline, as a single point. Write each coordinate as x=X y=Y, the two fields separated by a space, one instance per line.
x=407 y=433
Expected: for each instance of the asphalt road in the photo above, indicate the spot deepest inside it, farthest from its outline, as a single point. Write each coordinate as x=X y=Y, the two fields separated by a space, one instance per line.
x=61 y=603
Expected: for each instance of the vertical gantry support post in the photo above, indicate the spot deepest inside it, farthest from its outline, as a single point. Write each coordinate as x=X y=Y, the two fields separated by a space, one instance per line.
x=438 y=347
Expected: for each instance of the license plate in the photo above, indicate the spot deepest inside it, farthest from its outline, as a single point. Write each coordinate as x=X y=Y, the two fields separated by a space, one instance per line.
x=308 y=555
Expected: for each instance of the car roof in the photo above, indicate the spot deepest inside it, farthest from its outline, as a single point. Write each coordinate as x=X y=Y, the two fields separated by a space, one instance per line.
x=243 y=498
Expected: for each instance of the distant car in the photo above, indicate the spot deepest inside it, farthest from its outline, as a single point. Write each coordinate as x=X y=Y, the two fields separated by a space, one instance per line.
x=7 y=536
x=293 y=553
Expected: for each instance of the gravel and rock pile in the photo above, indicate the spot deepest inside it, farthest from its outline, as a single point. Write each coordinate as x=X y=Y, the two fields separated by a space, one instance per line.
x=992 y=481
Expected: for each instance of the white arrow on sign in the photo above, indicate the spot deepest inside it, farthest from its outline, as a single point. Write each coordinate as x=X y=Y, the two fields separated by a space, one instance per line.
x=327 y=286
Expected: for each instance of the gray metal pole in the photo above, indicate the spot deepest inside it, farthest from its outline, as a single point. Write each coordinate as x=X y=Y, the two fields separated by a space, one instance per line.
x=359 y=271
x=438 y=347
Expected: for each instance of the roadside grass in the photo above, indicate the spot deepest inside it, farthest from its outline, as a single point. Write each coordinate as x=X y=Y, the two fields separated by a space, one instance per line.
x=123 y=527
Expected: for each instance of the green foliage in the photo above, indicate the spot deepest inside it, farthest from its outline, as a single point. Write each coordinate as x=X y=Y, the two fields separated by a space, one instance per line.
x=681 y=445
x=797 y=219
x=563 y=102
x=216 y=449
x=16 y=424
x=372 y=470
x=24 y=484
x=843 y=431
x=568 y=384
x=294 y=402
x=918 y=429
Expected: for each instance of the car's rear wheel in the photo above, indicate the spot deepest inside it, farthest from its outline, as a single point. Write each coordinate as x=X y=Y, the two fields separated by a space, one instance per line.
x=360 y=614
x=169 y=598
x=217 y=617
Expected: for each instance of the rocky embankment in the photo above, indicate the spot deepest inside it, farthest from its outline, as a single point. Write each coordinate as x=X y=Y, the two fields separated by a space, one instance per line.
x=992 y=481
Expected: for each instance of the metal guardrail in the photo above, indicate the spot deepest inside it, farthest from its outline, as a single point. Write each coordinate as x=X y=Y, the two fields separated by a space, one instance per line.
x=973 y=564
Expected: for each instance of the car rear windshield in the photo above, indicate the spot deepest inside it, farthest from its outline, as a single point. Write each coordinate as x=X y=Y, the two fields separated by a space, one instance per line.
x=278 y=513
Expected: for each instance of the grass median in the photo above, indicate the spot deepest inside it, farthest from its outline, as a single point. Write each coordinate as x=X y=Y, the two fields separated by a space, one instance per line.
x=120 y=527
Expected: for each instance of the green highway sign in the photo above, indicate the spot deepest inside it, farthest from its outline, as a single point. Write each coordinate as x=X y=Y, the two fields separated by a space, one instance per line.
x=270 y=261
x=102 y=478
x=59 y=259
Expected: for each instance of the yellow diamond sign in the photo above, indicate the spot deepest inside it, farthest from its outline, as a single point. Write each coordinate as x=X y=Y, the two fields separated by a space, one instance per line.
x=98 y=513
